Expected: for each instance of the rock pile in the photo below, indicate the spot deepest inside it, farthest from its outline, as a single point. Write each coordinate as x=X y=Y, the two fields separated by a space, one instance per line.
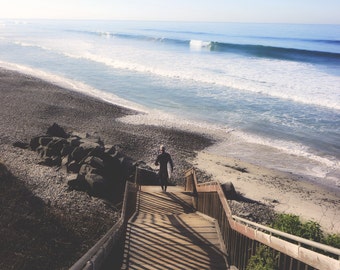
x=99 y=169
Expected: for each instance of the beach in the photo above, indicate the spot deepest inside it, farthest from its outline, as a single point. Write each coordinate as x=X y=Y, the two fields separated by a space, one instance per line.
x=284 y=192
x=29 y=106
x=74 y=221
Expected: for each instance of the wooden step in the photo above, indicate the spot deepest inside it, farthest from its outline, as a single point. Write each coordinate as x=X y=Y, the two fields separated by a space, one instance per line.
x=166 y=233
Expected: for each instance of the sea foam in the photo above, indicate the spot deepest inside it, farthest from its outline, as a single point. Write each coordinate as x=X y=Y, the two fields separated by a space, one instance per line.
x=276 y=78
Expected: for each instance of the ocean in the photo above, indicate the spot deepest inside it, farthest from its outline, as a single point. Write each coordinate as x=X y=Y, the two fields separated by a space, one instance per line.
x=268 y=93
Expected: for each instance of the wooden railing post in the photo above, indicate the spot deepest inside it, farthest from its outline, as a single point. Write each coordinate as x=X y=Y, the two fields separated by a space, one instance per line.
x=96 y=256
x=242 y=237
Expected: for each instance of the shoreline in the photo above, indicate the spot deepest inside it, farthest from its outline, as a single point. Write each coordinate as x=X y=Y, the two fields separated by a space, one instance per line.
x=285 y=192
x=29 y=105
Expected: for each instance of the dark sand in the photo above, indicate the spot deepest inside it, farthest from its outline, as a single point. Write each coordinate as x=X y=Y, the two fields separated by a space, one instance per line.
x=28 y=106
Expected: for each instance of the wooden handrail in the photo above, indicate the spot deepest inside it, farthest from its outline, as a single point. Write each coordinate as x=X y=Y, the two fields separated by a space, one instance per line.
x=242 y=236
x=294 y=238
x=95 y=257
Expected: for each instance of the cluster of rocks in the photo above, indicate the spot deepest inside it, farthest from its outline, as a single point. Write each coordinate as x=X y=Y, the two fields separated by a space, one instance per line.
x=99 y=169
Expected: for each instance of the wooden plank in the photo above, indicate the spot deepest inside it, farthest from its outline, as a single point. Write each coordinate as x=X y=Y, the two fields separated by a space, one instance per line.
x=151 y=237
x=180 y=241
x=191 y=254
x=166 y=234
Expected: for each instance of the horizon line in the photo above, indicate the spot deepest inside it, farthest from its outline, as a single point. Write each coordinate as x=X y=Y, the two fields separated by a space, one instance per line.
x=172 y=21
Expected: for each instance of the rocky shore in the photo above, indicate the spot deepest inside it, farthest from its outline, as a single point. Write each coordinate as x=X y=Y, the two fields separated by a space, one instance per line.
x=73 y=220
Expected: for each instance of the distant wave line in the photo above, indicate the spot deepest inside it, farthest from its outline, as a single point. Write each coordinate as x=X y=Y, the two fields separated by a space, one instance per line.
x=327 y=41
x=281 y=53
x=262 y=51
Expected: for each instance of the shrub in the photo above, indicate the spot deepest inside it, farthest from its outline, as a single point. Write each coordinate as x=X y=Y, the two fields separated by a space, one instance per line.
x=264 y=259
x=311 y=230
x=332 y=240
x=287 y=223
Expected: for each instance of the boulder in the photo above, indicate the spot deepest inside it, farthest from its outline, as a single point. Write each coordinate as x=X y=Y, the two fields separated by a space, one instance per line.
x=97 y=184
x=99 y=170
x=113 y=169
x=51 y=161
x=74 y=141
x=56 y=145
x=34 y=143
x=66 y=150
x=77 y=184
x=73 y=166
x=41 y=150
x=22 y=145
x=44 y=140
x=95 y=162
x=86 y=169
x=110 y=150
x=147 y=176
x=57 y=131
x=78 y=154
x=229 y=191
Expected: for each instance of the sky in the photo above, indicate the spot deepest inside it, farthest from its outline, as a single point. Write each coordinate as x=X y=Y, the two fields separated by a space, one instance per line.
x=265 y=11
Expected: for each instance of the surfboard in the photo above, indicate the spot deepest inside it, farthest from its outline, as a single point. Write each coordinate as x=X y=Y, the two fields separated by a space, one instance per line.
x=169 y=169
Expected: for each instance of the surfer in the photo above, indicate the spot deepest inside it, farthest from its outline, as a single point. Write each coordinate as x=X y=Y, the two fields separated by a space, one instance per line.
x=166 y=167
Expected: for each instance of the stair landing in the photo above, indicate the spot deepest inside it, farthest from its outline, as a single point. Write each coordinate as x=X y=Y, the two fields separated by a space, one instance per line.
x=167 y=233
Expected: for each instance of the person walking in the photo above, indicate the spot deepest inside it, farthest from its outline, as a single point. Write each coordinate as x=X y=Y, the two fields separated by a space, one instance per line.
x=162 y=160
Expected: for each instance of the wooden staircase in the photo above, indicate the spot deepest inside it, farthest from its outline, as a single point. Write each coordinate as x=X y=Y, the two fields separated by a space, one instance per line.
x=167 y=233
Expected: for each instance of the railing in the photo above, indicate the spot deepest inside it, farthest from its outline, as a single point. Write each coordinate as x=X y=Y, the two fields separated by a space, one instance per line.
x=111 y=244
x=242 y=237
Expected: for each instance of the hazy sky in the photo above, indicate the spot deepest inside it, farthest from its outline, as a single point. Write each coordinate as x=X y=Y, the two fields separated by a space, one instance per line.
x=290 y=11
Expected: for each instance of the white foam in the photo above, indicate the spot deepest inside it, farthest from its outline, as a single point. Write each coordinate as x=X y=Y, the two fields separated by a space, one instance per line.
x=199 y=44
x=290 y=148
x=288 y=80
x=320 y=170
x=283 y=83
x=223 y=134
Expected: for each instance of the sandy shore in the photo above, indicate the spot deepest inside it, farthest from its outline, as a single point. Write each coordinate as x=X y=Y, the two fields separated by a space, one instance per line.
x=285 y=192
x=29 y=105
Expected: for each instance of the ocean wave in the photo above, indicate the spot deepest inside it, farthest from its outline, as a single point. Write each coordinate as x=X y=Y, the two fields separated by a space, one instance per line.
x=281 y=53
x=282 y=87
x=294 y=39
x=131 y=36
x=257 y=50
x=199 y=44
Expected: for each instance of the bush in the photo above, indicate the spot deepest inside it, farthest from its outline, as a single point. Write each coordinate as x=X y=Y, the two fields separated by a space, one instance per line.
x=264 y=259
x=287 y=223
x=311 y=230
x=332 y=240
